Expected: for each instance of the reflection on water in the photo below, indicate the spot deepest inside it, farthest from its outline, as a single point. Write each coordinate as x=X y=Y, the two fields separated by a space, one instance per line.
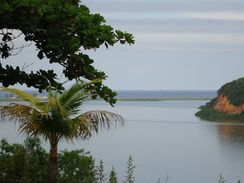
x=165 y=139
x=231 y=132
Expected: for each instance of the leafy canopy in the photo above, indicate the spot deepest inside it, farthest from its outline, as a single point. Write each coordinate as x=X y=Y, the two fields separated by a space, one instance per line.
x=61 y=31
x=234 y=91
x=28 y=163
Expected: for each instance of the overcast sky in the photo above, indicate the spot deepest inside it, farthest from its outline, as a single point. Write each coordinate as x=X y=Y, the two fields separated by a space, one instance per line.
x=180 y=44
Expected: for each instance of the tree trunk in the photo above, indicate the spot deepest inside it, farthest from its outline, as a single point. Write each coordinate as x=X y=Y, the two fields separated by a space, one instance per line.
x=53 y=165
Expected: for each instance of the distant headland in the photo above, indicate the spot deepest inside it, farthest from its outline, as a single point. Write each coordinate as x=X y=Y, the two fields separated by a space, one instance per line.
x=228 y=105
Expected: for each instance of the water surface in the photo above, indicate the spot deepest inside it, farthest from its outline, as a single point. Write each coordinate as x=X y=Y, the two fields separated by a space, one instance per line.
x=165 y=140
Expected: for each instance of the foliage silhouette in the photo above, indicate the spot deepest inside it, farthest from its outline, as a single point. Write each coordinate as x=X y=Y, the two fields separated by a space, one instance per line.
x=61 y=30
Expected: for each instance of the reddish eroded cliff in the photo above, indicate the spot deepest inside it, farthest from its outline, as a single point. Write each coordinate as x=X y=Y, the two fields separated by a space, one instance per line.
x=224 y=105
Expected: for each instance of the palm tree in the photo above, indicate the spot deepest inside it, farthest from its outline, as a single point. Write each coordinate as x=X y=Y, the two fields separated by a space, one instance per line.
x=57 y=118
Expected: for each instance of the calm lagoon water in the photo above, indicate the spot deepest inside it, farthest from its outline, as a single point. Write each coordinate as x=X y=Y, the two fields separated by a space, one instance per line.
x=165 y=140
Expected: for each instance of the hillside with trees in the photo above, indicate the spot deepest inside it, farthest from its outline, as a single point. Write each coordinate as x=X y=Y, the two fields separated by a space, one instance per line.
x=228 y=105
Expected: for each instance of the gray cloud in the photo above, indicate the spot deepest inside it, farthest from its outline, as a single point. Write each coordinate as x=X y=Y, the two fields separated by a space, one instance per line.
x=166 y=5
x=179 y=26
x=180 y=44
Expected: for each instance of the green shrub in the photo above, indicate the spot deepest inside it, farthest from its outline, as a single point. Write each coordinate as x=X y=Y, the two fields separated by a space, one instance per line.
x=24 y=163
x=28 y=163
x=76 y=167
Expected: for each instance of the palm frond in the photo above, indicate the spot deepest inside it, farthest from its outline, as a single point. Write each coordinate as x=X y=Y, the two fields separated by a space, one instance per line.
x=24 y=96
x=16 y=112
x=93 y=121
x=56 y=109
x=25 y=115
x=76 y=95
x=74 y=128
x=72 y=98
x=57 y=117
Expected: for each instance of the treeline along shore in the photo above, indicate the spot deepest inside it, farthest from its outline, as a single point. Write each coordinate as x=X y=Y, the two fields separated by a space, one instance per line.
x=137 y=95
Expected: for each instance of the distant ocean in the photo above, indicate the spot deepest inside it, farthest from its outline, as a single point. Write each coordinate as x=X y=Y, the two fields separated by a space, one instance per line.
x=166 y=94
x=147 y=94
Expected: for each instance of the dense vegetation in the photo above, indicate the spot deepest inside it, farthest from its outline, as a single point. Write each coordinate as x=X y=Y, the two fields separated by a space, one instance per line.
x=61 y=31
x=207 y=112
x=234 y=91
x=27 y=163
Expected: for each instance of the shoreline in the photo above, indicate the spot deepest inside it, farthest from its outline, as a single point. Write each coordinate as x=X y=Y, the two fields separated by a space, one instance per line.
x=127 y=99
x=159 y=99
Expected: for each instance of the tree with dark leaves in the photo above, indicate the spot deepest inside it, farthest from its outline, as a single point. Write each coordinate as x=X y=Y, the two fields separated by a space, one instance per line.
x=61 y=31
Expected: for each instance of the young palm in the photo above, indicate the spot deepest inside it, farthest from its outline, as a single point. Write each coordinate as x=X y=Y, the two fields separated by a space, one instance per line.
x=57 y=118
